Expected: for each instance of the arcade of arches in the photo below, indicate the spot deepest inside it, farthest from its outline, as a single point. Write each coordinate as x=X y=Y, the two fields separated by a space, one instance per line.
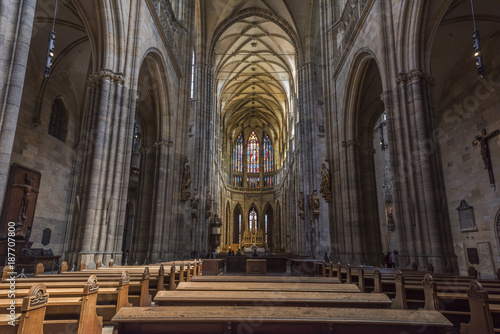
x=346 y=127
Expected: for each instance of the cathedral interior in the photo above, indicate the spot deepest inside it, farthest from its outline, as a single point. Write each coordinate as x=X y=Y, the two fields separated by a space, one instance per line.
x=156 y=128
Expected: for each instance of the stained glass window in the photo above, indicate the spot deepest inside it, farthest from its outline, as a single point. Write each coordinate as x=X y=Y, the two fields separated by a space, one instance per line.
x=268 y=181
x=268 y=154
x=253 y=154
x=239 y=228
x=253 y=182
x=237 y=181
x=252 y=220
x=238 y=154
x=265 y=229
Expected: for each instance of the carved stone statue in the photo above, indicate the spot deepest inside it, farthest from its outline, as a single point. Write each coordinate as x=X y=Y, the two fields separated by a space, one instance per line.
x=186 y=181
x=314 y=201
x=208 y=205
x=186 y=184
x=301 y=202
x=300 y=205
x=194 y=200
x=326 y=190
x=194 y=204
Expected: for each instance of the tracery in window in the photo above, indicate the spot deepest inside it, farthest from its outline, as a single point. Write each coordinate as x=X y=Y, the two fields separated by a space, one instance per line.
x=252 y=220
x=58 y=120
x=253 y=154
x=268 y=154
x=238 y=154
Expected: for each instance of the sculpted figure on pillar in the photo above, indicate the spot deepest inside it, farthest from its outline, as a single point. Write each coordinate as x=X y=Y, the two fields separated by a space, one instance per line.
x=208 y=205
x=314 y=201
x=300 y=204
x=194 y=204
x=326 y=190
x=186 y=184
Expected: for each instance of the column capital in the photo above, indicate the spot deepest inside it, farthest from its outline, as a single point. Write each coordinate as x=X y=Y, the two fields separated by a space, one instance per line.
x=105 y=74
x=164 y=143
x=413 y=76
x=350 y=143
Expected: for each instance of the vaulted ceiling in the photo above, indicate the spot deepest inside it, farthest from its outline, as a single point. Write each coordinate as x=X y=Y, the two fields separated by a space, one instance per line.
x=255 y=45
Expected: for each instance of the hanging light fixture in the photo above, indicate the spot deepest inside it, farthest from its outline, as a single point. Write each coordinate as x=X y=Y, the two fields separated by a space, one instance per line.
x=50 y=49
x=477 y=47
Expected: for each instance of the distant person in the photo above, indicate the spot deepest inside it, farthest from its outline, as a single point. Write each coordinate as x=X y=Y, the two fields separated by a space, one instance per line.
x=394 y=259
x=214 y=254
x=387 y=259
x=327 y=259
x=125 y=258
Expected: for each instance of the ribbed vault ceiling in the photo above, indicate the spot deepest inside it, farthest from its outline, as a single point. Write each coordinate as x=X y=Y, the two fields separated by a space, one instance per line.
x=254 y=63
x=255 y=66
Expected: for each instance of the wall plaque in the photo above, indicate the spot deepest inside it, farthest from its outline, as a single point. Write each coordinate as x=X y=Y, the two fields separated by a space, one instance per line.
x=466 y=217
x=46 y=236
x=473 y=255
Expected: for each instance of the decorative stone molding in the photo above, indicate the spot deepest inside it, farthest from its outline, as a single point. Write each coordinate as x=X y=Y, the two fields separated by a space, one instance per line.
x=98 y=78
x=414 y=76
x=186 y=183
x=164 y=143
x=35 y=123
x=348 y=27
x=168 y=24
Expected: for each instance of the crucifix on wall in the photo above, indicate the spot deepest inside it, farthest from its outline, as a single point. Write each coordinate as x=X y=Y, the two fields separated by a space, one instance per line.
x=482 y=143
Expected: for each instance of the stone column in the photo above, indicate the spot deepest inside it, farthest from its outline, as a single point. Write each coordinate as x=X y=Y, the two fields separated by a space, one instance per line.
x=200 y=150
x=159 y=200
x=107 y=141
x=16 y=25
x=419 y=176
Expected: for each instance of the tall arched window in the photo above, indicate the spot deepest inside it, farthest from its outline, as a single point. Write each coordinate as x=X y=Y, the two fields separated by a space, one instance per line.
x=252 y=220
x=58 y=120
x=253 y=154
x=238 y=154
x=268 y=154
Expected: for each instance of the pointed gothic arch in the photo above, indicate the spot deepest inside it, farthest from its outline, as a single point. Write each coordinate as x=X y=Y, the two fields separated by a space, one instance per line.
x=237 y=224
x=269 y=226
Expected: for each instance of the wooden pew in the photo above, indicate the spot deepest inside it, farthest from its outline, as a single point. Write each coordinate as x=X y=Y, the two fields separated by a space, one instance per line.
x=268 y=279
x=278 y=298
x=30 y=320
x=482 y=312
x=449 y=299
x=274 y=286
x=67 y=314
x=139 y=294
x=265 y=319
x=111 y=295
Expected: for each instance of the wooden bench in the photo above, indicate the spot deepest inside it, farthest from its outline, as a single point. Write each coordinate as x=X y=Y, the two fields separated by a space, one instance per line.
x=62 y=314
x=449 y=299
x=483 y=313
x=268 y=279
x=257 y=286
x=30 y=319
x=276 y=298
x=111 y=295
x=262 y=319
x=139 y=294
